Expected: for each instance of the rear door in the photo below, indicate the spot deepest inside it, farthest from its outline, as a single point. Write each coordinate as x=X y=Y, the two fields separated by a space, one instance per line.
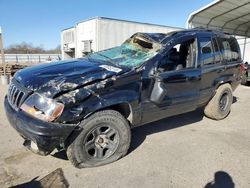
x=232 y=59
x=212 y=64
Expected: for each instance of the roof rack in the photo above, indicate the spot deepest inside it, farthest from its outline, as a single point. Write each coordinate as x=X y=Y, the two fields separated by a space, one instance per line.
x=212 y=30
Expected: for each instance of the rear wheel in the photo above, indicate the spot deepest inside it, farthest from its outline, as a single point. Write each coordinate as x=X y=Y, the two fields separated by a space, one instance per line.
x=104 y=139
x=220 y=105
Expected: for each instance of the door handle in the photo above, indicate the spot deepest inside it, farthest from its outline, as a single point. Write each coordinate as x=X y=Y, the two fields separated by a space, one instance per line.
x=194 y=78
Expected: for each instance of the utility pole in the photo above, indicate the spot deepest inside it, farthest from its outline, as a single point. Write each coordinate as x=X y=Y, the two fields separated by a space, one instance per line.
x=1 y=46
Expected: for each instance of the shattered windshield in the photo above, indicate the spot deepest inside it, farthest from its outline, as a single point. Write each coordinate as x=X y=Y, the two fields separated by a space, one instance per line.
x=132 y=53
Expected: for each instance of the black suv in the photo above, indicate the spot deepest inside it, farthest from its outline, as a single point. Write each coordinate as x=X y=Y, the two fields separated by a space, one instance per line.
x=88 y=106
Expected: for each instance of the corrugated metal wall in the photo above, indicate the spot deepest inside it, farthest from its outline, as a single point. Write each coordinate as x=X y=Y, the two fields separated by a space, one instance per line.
x=86 y=31
x=68 y=41
x=114 y=32
x=105 y=33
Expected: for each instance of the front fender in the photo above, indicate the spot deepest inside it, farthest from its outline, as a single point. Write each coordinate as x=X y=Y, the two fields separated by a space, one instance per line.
x=97 y=102
x=131 y=98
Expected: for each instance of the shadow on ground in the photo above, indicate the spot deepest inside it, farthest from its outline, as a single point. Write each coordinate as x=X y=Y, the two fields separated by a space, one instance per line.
x=139 y=134
x=53 y=179
x=60 y=155
x=235 y=99
x=221 y=180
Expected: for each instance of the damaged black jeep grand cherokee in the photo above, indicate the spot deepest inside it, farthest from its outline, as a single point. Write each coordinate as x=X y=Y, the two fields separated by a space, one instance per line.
x=88 y=106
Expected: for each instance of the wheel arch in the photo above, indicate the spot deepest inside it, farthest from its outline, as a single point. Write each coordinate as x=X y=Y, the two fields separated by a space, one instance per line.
x=222 y=83
x=123 y=108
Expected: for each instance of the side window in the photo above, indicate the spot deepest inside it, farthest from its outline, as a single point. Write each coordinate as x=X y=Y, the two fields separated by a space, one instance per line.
x=235 y=49
x=206 y=50
x=226 y=49
x=182 y=55
x=229 y=49
x=217 y=53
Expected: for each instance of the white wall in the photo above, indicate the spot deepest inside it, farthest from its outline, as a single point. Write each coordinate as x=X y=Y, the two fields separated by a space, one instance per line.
x=106 y=33
x=247 y=50
x=68 y=41
x=86 y=31
x=114 y=32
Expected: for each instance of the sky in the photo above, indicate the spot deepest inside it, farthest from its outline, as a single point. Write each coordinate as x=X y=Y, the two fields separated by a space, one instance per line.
x=40 y=22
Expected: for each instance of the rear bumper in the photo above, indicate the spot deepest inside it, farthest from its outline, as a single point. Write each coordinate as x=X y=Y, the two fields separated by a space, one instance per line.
x=46 y=136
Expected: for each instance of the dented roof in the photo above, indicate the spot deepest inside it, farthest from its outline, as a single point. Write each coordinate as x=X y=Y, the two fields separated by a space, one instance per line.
x=226 y=15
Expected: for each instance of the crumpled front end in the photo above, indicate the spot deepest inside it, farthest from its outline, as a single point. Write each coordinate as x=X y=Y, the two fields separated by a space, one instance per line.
x=44 y=136
x=40 y=136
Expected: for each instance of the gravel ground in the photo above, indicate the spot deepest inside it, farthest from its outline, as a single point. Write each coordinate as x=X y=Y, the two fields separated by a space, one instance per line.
x=188 y=150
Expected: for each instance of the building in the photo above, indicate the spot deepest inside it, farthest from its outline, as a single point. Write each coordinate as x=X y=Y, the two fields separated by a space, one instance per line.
x=101 y=33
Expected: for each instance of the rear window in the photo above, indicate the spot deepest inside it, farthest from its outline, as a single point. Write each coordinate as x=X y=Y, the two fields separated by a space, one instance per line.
x=230 y=49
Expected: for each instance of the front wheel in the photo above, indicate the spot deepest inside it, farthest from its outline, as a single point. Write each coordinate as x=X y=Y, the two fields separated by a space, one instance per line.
x=220 y=105
x=104 y=139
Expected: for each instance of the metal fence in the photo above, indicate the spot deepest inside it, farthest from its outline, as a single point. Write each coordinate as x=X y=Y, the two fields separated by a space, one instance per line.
x=31 y=58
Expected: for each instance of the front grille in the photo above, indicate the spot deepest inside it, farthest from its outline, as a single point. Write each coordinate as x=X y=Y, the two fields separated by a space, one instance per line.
x=16 y=94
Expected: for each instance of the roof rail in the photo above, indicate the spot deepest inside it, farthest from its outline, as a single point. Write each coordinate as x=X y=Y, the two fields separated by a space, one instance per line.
x=212 y=30
x=200 y=27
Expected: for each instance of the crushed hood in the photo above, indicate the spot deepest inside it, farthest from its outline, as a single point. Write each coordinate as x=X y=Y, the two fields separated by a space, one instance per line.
x=53 y=78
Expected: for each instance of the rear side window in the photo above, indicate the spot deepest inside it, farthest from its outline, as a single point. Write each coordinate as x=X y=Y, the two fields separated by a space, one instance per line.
x=206 y=47
x=235 y=49
x=217 y=53
x=230 y=49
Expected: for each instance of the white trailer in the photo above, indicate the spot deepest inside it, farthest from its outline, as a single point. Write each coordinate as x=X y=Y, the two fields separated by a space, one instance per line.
x=245 y=48
x=101 y=33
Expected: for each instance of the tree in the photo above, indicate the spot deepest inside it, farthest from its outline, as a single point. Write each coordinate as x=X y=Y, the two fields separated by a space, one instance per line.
x=28 y=48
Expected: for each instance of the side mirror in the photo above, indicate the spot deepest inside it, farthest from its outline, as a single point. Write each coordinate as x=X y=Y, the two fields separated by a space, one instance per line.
x=158 y=92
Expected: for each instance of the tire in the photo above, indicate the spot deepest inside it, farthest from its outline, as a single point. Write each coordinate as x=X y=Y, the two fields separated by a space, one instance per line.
x=244 y=79
x=105 y=138
x=220 y=105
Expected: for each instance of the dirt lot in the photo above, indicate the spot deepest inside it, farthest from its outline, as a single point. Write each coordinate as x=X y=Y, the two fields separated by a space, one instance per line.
x=182 y=151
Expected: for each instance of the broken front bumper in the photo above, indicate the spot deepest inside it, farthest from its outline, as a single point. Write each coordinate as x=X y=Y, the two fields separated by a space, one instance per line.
x=41 y=137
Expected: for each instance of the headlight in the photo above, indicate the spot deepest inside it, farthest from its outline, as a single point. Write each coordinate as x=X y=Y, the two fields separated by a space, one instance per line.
x=42 y=107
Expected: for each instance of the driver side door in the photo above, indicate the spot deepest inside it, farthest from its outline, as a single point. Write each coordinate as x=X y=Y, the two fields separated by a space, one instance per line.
x=174 y=91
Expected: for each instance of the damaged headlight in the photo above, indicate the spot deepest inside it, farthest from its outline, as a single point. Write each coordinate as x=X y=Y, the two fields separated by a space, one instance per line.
x=42 y=107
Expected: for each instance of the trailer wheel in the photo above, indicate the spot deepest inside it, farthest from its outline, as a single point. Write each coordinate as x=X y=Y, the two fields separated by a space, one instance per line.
x=104 y=139
x=220 y=105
